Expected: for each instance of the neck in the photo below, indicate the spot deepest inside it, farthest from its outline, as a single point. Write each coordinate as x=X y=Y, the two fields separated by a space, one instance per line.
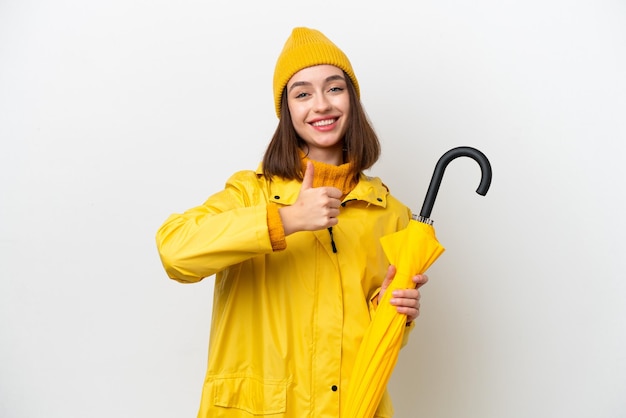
x=333 y=156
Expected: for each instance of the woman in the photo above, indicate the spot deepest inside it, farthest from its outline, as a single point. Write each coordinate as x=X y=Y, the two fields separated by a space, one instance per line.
x=295 y=249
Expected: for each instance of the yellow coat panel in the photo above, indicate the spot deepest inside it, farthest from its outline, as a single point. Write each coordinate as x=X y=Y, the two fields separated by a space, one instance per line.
x=286 y=324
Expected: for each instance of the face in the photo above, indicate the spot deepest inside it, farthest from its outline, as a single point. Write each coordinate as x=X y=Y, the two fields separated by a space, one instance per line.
x=319 y=104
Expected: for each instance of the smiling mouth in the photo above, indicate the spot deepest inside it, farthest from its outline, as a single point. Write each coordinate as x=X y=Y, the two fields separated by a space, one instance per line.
x=324 y=122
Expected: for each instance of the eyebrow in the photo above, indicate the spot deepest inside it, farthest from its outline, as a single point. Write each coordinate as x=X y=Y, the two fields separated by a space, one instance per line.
x=306 y=83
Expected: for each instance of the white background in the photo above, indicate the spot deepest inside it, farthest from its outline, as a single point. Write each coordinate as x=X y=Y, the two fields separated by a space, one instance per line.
x=114 y=114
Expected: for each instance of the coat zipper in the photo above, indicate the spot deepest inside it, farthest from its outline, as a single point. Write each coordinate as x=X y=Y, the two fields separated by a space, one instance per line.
x=332 y=241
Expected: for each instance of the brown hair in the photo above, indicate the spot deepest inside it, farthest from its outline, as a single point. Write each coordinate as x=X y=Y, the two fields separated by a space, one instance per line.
x=360 y=142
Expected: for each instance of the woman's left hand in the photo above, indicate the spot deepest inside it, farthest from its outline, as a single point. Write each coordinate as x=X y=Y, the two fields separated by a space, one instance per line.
x=406 y=301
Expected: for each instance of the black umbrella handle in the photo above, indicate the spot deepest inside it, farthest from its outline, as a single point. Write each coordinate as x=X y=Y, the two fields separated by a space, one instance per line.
x=435 y=181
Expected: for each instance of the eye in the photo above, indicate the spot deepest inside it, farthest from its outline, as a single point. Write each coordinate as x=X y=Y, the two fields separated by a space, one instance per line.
x=336 y=89
x=301 y=95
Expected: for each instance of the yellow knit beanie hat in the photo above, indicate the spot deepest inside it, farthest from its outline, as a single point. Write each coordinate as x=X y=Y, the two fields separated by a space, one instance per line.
x=306 y=48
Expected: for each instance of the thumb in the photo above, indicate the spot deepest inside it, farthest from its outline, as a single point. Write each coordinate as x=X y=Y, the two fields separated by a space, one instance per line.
x=391 y=272
x=307 y=181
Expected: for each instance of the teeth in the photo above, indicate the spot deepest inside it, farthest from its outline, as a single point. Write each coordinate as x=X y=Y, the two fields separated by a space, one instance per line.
x=324 y=122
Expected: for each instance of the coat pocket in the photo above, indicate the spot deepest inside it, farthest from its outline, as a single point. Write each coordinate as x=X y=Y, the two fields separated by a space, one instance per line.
x=251 y=394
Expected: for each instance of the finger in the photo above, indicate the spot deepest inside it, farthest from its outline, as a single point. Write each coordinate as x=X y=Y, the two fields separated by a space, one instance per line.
x=388 y=279
x=413 y=315
x=409 y=311
x=406 y=297
x=307 y=181
x=334 y=193
x=420 y=280
x=391 y=272
x=407 y=306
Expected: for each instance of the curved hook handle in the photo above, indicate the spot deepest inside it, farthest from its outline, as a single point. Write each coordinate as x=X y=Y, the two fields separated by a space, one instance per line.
x=435 y=181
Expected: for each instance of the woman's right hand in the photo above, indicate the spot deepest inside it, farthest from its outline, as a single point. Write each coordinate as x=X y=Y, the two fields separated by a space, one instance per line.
x=315 y=208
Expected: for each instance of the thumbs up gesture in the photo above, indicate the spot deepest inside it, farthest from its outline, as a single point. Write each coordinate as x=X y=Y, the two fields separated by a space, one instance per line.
x=315 y=208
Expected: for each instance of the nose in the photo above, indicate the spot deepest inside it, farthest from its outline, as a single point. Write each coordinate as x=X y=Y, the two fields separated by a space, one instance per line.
x=321 y=103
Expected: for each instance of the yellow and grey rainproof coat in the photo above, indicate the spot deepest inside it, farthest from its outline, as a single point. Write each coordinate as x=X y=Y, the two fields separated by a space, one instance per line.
x=287 y=322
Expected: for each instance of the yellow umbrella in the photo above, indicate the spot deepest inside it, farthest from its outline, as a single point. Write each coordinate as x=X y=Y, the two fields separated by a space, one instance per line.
x=412 y=250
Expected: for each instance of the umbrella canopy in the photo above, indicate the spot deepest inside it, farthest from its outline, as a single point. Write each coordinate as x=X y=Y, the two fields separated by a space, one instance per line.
x=412 y=250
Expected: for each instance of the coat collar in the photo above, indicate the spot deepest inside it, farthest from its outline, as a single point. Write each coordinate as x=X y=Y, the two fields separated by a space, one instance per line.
x=369 y=189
